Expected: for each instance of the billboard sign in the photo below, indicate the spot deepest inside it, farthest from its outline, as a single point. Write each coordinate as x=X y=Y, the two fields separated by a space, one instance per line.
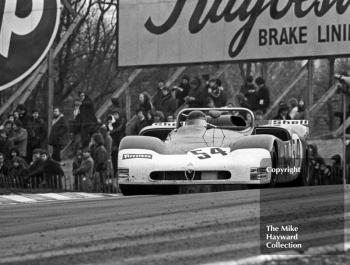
x=155 y=32
x=27 y=31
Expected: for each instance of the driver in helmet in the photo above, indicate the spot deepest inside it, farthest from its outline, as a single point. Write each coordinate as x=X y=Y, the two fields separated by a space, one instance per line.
x=197 y=118
x=196 y=124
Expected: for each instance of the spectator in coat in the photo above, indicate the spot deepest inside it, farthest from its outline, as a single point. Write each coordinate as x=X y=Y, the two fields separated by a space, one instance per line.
x=5 y=144
x=84 y=171
x=20 y=138
x=11 y=118
x=217 y=97
x=75 y=127
x=35 y=170
x=158 y=116
x=157 y=98
x=58 y=134
x=170 y=118
x=259 y=116
x=77 y=160
x=18 y=172
x=140 y=123
x=36 y=132
x=108 y=142
x=167 y=103
x=15 y=153
x=182 y=90
x=87 y=122
x=8 y=127
x=16 y=115
x=336 y=169
x=116 y=126
x=263 y=95
x=100 y=157
x=144 y=102
x=52 y=171
x=149 y=118
x=23 y=115
x=249 y=91
x=3 y=167
x=107 y=139
x=301 y=110
x=197 y=97
x=17 y=167
x=293 y=102
x=283 y=111
x=76 y=108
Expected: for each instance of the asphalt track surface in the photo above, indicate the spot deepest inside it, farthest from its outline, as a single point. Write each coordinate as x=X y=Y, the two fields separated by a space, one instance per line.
x=178 y=229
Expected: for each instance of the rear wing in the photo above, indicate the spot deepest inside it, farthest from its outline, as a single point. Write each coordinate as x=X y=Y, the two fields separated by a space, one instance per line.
x=159 y=130
x=288 y=122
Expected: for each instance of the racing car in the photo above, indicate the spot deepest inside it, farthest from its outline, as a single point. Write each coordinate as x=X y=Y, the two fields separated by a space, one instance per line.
x=213 y=147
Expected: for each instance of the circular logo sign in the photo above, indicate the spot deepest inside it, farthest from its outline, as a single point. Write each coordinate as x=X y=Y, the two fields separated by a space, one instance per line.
x=27 y=31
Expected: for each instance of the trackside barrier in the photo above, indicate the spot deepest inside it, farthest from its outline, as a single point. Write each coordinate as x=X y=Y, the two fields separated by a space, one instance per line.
x=99 y=183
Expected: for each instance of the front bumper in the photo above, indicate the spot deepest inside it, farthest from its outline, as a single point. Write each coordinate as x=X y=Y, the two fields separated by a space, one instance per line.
x=237 y=165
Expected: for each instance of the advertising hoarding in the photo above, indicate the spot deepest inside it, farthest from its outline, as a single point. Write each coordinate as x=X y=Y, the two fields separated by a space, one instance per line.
x=156 y=32
x=27 y=31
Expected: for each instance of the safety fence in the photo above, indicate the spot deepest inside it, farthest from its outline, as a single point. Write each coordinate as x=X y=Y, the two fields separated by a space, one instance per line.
x=98 y=183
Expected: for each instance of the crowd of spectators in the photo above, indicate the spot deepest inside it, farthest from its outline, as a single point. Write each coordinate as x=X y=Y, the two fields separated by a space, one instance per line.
x=189 y=93
x=25 y=160
x=293 y=110
x=255 y=95
x=203 y=92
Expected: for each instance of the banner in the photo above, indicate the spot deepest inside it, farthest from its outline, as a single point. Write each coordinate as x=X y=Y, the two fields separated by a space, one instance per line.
x=155 y=32
x=27 y=31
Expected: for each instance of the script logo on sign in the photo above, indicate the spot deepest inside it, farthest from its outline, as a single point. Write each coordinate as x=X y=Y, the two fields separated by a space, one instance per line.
x=27 y=31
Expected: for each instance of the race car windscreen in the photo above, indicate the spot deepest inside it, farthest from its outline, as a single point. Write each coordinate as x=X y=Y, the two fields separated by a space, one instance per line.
x=228 y=119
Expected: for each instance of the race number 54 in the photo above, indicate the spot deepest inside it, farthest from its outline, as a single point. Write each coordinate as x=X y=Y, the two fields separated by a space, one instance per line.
x=12 y=24
x=205 y=155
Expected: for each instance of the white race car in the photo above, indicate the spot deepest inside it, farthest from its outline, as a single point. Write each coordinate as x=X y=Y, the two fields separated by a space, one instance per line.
x=211 y=147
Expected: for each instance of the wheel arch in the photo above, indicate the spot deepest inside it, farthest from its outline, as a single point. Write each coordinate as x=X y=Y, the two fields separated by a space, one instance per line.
x=267 y=142
x=142 y=142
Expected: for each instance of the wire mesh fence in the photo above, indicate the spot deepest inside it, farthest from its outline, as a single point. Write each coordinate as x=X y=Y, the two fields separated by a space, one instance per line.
x=98 y=183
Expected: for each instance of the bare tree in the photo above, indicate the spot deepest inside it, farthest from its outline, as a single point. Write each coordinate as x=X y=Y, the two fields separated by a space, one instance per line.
x=87 y=61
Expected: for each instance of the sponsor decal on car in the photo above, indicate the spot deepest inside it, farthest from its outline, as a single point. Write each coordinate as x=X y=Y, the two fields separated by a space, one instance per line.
x=206 y=153
x=133 y=156
x=289 y=122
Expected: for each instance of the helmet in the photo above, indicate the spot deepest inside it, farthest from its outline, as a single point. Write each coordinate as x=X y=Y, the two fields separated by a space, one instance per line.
x=196 y=117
